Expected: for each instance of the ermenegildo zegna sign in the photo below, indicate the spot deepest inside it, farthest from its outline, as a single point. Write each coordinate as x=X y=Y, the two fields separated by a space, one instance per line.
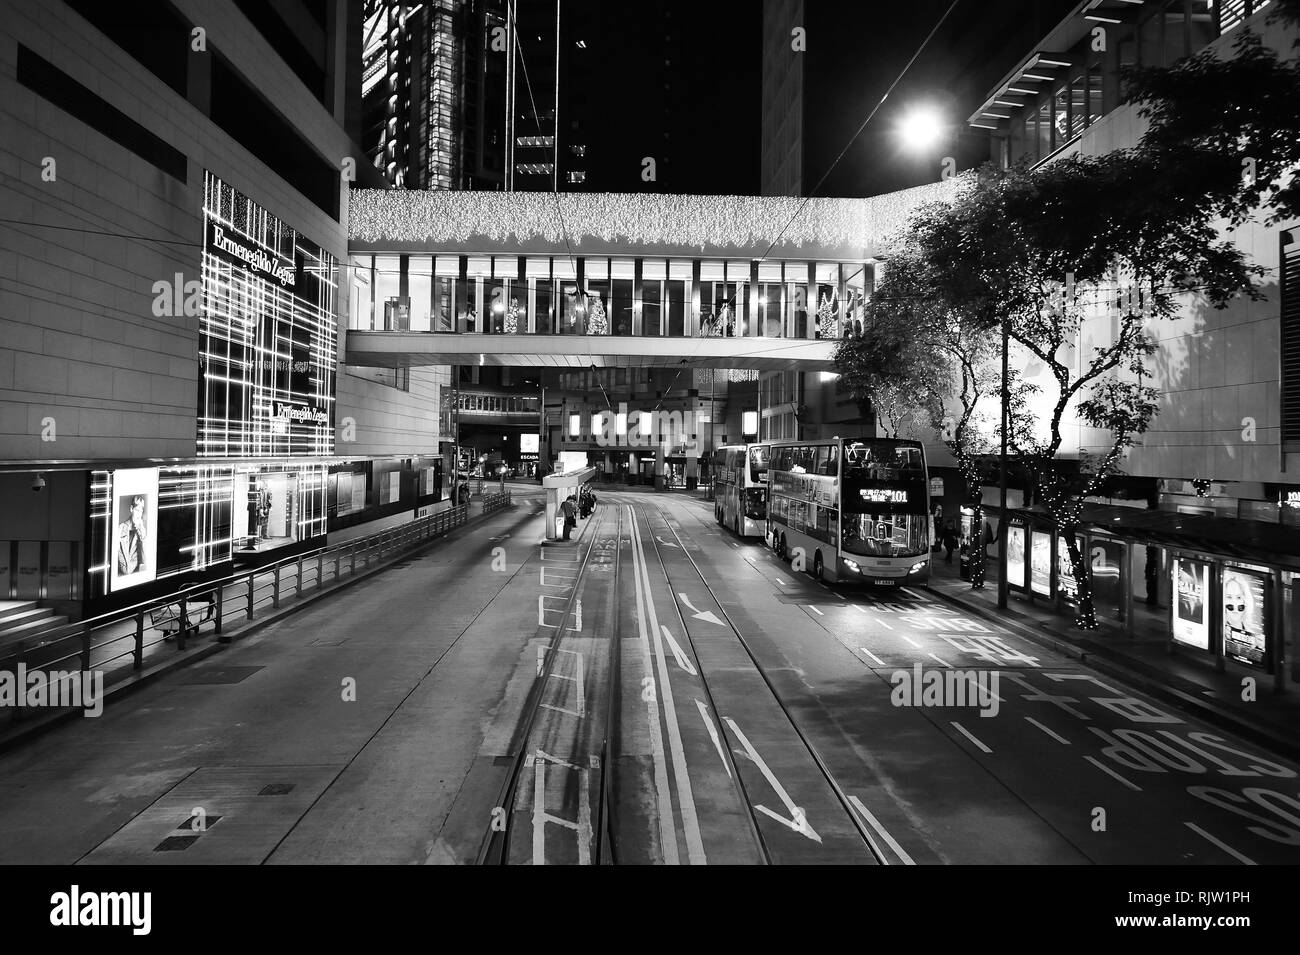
x=267 y=335
x=221 y=242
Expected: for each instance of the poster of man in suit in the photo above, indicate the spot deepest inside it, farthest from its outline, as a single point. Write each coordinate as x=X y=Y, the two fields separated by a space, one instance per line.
x=135 y=521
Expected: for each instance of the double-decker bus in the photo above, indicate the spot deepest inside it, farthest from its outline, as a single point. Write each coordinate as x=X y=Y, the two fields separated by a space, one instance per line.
x=854 y=509
x=740 y=488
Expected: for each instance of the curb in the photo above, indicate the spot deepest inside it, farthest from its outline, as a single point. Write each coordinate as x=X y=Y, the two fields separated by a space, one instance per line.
x=1180 y=700
x=29 y=729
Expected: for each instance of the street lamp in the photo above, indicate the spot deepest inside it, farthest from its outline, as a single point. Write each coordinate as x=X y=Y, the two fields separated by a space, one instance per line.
x=921 y=128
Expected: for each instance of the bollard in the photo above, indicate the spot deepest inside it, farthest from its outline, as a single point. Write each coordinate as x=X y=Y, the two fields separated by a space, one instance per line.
x=138 y=654
x=275 y=589
x=250 y=596
x=298 y=583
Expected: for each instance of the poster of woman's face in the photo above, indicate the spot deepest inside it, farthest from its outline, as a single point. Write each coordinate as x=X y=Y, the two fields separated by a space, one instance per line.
x=133 y=535
x=1244 y=636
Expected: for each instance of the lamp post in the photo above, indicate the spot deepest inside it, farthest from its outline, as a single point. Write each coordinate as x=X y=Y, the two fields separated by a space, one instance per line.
x=1002 y=473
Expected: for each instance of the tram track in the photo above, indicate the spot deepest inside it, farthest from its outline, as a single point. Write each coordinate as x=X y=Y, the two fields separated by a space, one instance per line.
x=827 y=776
x=496 y=845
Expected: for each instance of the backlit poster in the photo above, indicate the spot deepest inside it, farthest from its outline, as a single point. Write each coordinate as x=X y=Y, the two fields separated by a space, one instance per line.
x=1016 y=556
x=529 y=443
x=133 y=541
x=1066 y=585
x=1191 y=609
x=1104 y=561
x=1245 y=636
x=1040 y=564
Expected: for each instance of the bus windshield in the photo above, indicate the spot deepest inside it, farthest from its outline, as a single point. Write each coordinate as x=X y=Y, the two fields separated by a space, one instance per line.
x=758 y=460
x=885 y=498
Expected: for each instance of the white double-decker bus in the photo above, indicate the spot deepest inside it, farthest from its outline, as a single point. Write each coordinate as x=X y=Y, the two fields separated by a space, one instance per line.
x=851 y=509
x=740 y=488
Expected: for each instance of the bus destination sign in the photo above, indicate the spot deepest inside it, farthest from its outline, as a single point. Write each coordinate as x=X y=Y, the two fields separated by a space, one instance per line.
x=883 y=495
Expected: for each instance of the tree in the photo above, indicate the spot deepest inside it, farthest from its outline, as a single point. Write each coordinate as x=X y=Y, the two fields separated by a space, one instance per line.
x=596 y=322
x=1080 y=238
x=924 y=355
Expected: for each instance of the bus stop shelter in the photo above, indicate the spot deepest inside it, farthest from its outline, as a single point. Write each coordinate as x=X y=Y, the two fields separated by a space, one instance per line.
x=557 y=488
x=1214 y=572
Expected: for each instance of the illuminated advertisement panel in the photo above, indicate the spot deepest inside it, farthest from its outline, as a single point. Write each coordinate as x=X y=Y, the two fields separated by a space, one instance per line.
x=1016 y=556
x=267 y=335
x=1066 y=586
x=1245 y=621
x=1191 y=609
x=1040 y=567
x=133 y=543
x=1105 y=557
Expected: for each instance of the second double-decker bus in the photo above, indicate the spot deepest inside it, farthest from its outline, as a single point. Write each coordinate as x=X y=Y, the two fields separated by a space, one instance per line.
x=851 y=509
x=740 y=488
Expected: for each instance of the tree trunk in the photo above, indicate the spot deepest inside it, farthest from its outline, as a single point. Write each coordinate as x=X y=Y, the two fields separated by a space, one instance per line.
x=977 y=545
x=1087 y=617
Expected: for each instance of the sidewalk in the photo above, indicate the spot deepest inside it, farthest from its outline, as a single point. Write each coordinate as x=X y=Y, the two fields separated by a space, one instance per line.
x=1143 y=660
x=160 y=657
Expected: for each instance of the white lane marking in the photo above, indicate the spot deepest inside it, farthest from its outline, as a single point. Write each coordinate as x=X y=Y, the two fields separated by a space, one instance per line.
x=685 y=800
x=860 y=608
x=942 y=660
x=1245 y=860
x=683 y=660
x=884 y=833
x=879 y=662
x=912 y=593
x=706 y=615
x=781 y=580
x=816 y=611
x=967 y=733
x=883 y=624
x=1110 y=772
x=910 y=640
x=797 y=821
x=665 y=543
x=667 y=830
x=713 y=734
x=541 y=817
x=838 y=596
x=1048 y=731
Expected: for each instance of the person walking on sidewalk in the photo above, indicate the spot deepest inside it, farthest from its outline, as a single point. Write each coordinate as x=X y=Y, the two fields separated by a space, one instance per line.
x=949 y=540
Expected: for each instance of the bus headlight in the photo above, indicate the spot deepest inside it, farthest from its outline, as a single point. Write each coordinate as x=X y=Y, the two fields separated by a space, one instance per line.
x=917 y=566
x=852 y=565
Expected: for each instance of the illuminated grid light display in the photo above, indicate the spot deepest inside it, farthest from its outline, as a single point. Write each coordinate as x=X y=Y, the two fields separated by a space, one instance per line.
x=193 y=526
x=268 y=334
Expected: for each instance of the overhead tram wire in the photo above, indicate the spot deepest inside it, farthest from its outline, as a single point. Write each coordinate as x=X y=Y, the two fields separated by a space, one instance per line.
x=852 y=139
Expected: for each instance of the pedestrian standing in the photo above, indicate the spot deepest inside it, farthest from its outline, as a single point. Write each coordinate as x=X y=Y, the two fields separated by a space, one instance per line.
x=949 y=540
x=570 y=509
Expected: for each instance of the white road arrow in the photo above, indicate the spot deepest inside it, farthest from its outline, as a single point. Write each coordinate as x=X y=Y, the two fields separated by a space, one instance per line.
x=664 y=542
x=699 y=615
x=501 y=538
x=713 y=735
x=797 y=821
x=683 y=660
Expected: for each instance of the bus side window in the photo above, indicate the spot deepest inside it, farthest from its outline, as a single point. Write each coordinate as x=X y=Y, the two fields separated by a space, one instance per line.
x=832 y=468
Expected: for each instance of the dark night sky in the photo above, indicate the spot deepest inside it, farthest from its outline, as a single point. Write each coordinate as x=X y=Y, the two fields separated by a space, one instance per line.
x=708 y=99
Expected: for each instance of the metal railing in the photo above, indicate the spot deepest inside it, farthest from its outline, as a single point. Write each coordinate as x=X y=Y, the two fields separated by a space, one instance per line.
x=117 y=643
